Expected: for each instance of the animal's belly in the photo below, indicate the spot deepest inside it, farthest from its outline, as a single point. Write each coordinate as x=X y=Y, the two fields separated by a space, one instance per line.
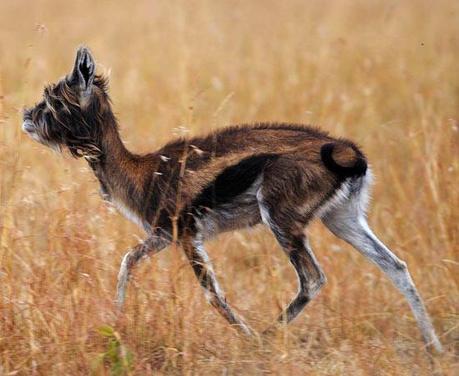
x=228 y=217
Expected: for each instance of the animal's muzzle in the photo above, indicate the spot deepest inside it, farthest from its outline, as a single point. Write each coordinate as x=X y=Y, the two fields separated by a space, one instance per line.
x=28 y=126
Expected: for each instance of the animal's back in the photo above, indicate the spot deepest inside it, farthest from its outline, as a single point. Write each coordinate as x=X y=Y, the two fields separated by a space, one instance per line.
x=215 y=169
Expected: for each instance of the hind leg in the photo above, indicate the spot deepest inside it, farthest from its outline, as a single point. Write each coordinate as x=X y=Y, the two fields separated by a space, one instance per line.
x=348 y=222
x=289 y=232
x=310 y=275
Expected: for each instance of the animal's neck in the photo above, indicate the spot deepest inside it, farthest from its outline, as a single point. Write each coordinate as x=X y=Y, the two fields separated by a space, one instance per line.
x=118 y=170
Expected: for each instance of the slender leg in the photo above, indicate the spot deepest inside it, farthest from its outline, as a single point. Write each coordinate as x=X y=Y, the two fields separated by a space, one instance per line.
x=202 y=267
x=288 y=226
x=147 y=248
x=310 y=275
x=349 y=224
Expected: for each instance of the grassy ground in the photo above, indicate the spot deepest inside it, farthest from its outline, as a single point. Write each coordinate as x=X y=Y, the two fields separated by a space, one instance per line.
x=385 y=73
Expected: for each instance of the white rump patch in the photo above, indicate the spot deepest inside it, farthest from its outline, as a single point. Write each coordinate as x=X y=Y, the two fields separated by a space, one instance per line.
x=355 y=190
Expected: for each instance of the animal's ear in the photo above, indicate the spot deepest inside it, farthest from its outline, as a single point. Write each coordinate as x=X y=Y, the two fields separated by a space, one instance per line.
x=84 y=71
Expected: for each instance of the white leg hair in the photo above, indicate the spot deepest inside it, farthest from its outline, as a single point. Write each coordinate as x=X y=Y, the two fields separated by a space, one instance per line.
x=347 y=221
x=147 y=248
x=123 y=276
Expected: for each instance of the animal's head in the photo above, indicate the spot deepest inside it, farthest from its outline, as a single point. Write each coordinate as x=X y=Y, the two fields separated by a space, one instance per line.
x=74 y=113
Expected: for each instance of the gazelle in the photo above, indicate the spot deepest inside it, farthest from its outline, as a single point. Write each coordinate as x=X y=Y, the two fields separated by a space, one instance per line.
x=192 y=189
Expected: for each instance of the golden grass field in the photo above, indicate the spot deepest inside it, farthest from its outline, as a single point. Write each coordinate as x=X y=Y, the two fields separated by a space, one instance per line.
x=384 y=73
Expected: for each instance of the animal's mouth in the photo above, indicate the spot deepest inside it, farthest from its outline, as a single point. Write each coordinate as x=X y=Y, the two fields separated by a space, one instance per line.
x=28 y=127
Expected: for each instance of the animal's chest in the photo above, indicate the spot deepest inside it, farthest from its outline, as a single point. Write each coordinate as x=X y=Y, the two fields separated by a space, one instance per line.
x=114 y=197
x=126 y=211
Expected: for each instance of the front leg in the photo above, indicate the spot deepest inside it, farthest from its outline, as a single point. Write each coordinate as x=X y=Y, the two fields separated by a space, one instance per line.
x=203 y=270
x=148 y=247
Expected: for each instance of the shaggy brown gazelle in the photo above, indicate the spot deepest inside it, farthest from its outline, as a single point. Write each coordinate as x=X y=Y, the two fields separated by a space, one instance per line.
x=192 y=189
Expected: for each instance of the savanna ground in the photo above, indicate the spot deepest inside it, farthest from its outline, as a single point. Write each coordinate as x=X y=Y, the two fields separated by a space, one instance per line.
x=385 y=73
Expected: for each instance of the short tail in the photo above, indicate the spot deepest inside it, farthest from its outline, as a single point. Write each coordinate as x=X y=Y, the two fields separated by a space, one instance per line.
x=344 y=159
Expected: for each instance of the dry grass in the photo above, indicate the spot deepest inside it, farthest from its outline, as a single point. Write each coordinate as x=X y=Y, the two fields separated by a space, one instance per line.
x=385 y=73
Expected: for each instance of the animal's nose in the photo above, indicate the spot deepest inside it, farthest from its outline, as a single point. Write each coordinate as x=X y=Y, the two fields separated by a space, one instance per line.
x=27 y=126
